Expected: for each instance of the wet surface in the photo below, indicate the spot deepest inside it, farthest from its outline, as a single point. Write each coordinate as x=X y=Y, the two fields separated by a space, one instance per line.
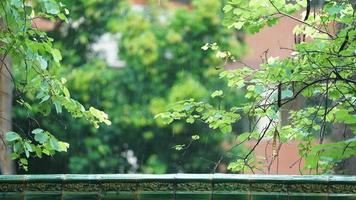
x=177 y=186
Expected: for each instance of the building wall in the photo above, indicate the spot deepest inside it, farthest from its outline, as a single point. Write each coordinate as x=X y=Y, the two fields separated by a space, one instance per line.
x=273 y=42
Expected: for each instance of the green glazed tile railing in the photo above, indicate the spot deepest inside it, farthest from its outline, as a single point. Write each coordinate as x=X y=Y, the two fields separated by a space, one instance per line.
x=176 y=186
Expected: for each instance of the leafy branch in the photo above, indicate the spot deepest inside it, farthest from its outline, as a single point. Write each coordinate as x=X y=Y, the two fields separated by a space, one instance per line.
x=320 y=71
x=32 y=52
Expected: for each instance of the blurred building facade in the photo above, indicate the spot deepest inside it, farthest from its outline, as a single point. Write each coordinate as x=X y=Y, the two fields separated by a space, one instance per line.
x=275 y=41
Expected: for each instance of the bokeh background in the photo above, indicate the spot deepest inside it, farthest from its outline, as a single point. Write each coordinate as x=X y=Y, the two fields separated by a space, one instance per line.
x=133 y=59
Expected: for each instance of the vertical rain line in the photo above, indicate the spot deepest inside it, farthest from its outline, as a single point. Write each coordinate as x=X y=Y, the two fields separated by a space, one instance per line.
x=174 y=187
x=212 y=189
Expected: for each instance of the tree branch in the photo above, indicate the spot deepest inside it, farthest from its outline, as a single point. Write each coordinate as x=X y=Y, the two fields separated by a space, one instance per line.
x=301 y=21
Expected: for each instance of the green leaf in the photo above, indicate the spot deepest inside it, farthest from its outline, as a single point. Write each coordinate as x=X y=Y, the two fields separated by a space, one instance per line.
x=14 y=156
x=243 y=136
x=227 y=8
x=190 y=120
x=62 y=17
x=42 y=62
x=344 y=116
x=58 y=107
x=23 y=161
x=41 y=137
x=45 y=98
x=38 y=151
x=217 y=93
x=259 y=89
x=238 y=25
x=66 y=92
x=56 y=55
x=287 y=94
x=335 y=9
x=17 y=147
x=226 y=128
x=237 y=166
x=54 y=143
x=179 y=147
x=12 y=136
x=27 y=148
x=16 y=3
x=37 y=130
x=62 y=146
x=195 y=137
x=51 y=7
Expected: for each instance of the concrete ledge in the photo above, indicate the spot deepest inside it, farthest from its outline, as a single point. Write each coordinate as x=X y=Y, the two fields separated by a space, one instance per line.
x=176 y=186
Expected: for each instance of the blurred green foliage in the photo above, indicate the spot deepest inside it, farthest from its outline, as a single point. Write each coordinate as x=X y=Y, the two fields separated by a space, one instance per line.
x=161 y=47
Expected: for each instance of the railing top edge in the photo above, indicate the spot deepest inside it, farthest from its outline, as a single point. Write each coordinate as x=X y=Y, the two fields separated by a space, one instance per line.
x=176 y=177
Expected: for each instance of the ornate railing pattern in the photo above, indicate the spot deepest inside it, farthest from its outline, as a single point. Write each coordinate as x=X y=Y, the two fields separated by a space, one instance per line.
x=177 y=186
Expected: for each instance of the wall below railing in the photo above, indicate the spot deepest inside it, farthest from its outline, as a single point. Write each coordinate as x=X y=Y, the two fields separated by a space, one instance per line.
x=176 y=186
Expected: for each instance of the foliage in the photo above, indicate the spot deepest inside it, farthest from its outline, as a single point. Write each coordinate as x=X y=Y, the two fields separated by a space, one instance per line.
x=164 y=64
x=35 y=63
x=88 y=20
x=320 y=69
